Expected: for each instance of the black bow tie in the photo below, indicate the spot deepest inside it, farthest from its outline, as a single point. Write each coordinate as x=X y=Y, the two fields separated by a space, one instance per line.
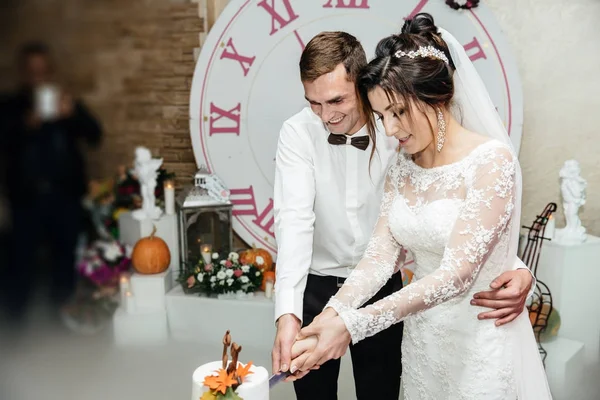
x=360 y=142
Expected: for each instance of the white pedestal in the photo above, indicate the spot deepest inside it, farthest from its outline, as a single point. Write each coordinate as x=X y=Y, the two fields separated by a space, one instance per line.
x=572 y=274
x=204 y=320
x=564 y=367
x=149 y=291
x=140 y=328
x=146 y=322
x=131 y=230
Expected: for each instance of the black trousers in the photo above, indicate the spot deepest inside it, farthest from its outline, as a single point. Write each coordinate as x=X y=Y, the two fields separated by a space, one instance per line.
x=376 y=361
x=55 y=219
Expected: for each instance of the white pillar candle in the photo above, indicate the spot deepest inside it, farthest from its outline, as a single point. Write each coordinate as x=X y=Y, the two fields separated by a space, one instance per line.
x=269 y=288
x=123 y=287
x=169 y=190
x=129 y=303
x=550 y=228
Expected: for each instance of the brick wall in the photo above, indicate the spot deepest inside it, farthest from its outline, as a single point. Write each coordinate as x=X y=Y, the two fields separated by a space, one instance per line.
x=131 y=61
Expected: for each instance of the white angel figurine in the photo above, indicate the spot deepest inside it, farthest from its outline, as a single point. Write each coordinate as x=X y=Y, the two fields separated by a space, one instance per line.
x=146 y=169
x=572 y=187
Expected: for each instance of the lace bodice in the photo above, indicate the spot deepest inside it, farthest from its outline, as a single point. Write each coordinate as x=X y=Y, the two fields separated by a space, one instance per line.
x=459 y=214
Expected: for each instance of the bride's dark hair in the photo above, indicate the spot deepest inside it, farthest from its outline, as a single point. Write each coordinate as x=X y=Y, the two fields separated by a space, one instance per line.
x=425 y=79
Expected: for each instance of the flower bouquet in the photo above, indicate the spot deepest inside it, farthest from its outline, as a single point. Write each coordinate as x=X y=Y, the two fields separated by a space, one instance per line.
x=222 y=277
x=96 y=298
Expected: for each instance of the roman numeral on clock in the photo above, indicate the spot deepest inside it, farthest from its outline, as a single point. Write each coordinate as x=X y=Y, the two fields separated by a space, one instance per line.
x=231 y=53
x=276 y=17
x=224 y=121
x=348 y=4
x=474 y=50
x=418 y=8
x=244 y=203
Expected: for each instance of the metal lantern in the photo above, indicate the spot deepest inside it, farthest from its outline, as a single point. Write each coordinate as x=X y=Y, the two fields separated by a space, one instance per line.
x=204 y=219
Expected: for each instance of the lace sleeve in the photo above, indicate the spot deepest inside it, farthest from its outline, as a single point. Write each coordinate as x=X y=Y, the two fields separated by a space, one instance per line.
x=380 y=260
x=484 y=216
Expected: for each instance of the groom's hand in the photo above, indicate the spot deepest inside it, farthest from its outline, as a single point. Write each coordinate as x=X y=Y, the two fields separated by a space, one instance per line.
x=507 y=297
x=288 y=327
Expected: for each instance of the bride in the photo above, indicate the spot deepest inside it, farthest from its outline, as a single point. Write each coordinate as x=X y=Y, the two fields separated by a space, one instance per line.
x=454 y=199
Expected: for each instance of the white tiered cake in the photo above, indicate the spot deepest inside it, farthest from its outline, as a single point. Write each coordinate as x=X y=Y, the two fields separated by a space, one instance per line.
x=255 y=386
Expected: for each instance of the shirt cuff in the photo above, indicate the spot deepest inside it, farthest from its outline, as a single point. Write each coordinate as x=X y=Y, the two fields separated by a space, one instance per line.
x=521 y=265
x=289 y=301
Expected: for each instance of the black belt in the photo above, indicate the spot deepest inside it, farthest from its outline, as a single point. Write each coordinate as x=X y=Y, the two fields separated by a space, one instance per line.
x=333 y=280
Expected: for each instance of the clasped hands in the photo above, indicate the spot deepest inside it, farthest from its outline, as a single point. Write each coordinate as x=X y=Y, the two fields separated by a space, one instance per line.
x=327 y=337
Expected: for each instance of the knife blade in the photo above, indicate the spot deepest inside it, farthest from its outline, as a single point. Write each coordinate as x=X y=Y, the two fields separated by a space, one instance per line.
x=278 y=377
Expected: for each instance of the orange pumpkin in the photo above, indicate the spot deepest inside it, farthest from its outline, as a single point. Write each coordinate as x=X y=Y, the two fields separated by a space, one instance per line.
x=249 y=257
x=266 y=276
x=151 y=255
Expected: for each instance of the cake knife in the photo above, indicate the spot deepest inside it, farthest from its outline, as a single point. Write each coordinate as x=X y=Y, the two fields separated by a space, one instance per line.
x=278 y=377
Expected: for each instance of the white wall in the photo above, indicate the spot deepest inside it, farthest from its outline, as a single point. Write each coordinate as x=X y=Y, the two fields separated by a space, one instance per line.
x=557 y=46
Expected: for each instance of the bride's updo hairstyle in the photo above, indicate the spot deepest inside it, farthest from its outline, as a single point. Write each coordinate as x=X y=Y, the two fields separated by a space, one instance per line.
x=412 y=65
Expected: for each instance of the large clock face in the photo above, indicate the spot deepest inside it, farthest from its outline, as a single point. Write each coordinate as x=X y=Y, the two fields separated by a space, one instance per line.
x=247 y=83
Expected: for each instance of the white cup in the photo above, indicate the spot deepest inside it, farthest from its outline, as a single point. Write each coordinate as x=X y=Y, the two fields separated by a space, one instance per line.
x=46 y=102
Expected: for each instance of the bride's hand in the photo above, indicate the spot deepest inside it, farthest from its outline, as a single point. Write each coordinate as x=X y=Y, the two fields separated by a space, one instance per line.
x=333 y=342
x=300 y=350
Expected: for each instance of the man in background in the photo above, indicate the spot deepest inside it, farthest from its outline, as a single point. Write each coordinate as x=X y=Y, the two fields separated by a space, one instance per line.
x=41 y=128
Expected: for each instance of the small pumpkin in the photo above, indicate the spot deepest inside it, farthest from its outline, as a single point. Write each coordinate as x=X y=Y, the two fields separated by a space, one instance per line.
x=552 y=322
x=151 y=255
x=250 y=257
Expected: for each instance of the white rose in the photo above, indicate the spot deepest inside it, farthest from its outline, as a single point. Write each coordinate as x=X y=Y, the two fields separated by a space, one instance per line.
x=245 y=269
x=221 y=275
x=221 y=283
x=229 y=273
x=212 y=285
x=200 y=277
x=215 y=256
x=229 y=282
x=244 y=279
x=233 y=256
x=257 y=273
x=260 y=260
x=223 y=262
x=213 y=279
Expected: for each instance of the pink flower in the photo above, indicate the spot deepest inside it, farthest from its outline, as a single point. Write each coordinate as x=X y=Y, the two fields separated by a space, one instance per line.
x=191 y=281
x=228 y=264
x=208 y=267
x=238 y=273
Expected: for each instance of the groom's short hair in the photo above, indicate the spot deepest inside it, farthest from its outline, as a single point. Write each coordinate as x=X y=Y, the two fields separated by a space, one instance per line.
x=327 y=50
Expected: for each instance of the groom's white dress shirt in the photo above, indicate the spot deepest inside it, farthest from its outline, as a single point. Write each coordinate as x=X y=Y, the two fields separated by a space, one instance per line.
x=326 y=204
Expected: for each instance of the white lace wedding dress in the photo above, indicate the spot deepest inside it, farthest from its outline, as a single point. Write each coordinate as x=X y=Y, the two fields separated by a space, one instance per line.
x=455 y=220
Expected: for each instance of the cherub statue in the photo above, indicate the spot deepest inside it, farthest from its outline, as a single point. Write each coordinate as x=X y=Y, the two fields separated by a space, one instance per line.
x=572 y=187
x=146 y=169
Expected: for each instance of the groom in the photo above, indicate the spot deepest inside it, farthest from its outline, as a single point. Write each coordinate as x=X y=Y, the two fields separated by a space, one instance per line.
x=328 y=188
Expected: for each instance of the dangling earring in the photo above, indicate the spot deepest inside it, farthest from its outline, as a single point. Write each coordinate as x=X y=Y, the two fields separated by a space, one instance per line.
x=441 y=130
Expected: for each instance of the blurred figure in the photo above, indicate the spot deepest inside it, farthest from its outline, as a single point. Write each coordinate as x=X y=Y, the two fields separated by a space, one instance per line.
x=41 y=127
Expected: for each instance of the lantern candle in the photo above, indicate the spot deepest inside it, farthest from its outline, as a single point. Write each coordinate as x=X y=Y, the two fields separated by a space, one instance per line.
x=169 y=190
x=206 y=251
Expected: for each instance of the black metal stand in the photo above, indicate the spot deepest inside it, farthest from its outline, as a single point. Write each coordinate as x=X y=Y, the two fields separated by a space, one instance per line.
x=540 y=308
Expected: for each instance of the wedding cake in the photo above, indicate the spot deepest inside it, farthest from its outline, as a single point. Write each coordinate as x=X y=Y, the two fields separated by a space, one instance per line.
x=221 y=380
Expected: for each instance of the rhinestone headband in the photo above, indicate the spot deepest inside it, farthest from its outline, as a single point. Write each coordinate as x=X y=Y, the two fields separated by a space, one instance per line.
x=428 y=51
